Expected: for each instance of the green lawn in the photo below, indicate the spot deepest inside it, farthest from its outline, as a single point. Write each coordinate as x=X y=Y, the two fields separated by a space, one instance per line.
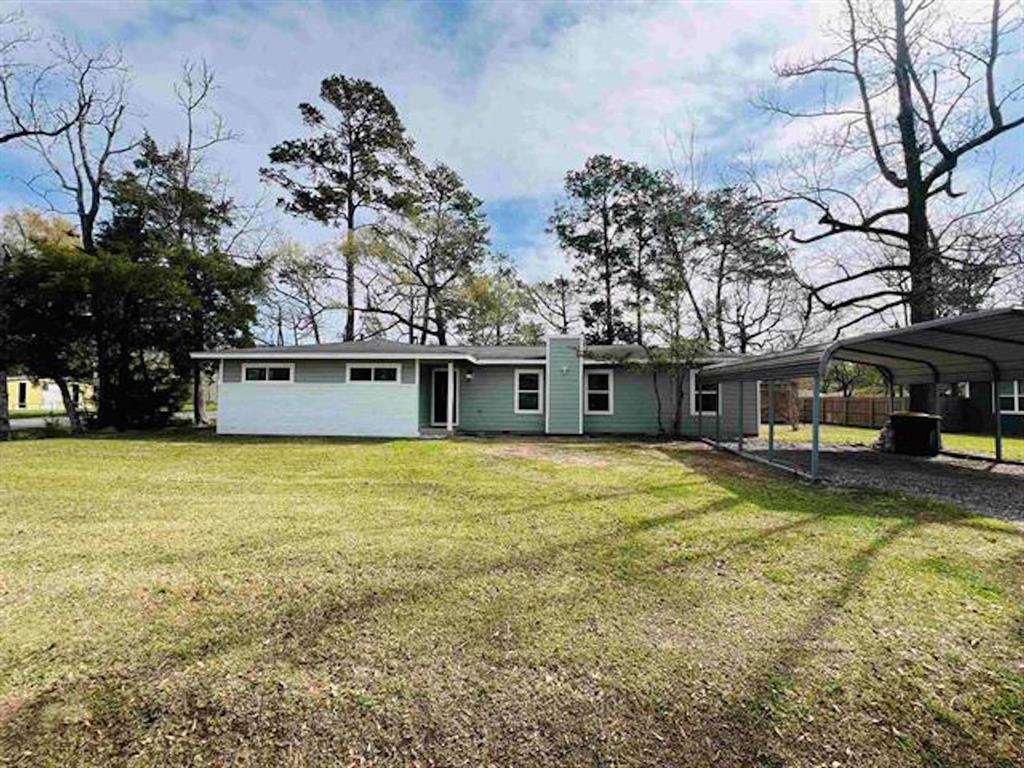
x=1013 y=447
x=184 y=599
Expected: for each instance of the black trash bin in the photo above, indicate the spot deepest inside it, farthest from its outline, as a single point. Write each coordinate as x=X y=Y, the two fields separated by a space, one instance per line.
x=916 y=434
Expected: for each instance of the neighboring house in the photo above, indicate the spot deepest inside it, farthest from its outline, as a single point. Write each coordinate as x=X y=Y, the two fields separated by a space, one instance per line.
x=980 y=411
x=25 y=394
x=391 y=389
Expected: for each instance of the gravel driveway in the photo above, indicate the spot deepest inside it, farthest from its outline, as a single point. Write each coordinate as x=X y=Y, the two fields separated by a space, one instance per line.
x=976 y=485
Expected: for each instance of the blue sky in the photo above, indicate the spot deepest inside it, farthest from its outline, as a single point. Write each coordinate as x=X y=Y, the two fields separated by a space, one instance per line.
x=511 y=95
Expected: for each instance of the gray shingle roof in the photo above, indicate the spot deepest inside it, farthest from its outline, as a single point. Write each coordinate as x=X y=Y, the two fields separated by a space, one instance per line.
x=611 y=352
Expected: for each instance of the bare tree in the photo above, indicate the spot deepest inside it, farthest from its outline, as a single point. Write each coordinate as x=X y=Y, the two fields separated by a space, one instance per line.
x=27 y=89
x=204 y=130
x=5 y=290
x=79 y=161
x=420 y=260
x=554 y=302
x=302 y=292
x=911 y=93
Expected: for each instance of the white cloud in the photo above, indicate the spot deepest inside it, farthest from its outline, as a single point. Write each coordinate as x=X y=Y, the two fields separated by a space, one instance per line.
x=512 y=95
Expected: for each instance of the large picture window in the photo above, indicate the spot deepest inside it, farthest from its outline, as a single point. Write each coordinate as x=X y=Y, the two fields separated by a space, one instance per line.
x=705 y=402
x=599 y=395
x=273 y=374
x=1011 y=396
x=528 y=398
x=377 y=374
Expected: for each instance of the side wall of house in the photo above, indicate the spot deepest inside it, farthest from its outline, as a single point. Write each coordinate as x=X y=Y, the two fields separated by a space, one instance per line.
x=635 y=407
x=488 y=401
x=318 y=401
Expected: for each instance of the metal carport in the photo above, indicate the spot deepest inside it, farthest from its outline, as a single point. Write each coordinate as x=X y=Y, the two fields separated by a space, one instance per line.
x=986 y=345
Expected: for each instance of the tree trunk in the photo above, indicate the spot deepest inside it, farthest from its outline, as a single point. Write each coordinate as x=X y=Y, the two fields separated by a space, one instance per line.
x=104 y=389
x=609 y=316
x=677 y=417
x=719 y=286
x=70 y=406
x=350 y=272
x=657 y=398
x=441 y=323
x=5 y=418
x=793 y=405
x=639 y=293
x=199 y=416
x=921 y=254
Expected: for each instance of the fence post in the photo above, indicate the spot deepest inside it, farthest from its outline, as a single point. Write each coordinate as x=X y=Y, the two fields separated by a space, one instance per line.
x=871 y=412
x=815 y=427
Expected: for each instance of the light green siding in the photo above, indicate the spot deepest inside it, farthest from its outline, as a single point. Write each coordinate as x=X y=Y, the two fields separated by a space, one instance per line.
x=488 y=402
x=635 y=407
x=564 y=372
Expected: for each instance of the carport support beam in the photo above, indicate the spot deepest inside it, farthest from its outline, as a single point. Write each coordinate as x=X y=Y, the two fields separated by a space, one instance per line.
x=739 y=411
x=695 y=397
x=450 y=414
x=999 y=419
x=718 y=418
x=771 y=420
x=816 y=428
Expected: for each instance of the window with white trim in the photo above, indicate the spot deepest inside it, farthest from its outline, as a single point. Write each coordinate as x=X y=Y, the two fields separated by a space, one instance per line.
x=1011 y=396
x=599 y=392
x=707 y=401
x=528 y=397
x=373 y=374
x=267 y=374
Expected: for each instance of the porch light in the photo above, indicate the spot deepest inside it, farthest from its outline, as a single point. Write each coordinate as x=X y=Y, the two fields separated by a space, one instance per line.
x=469 y=375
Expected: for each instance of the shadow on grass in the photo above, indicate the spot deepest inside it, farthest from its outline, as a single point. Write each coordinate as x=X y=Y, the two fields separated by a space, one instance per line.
x=125 y=700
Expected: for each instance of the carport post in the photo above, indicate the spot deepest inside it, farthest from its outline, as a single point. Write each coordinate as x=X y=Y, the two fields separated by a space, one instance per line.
x=815 y=427
x=739 y=439
x=718 y=418
x=450 y=420
x=696 y=398
x=771 y=420
x=999 y=419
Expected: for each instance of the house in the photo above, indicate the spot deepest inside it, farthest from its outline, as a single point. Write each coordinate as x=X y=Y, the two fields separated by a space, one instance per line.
x=978 y=413
x=391 y=389
x=26 y=394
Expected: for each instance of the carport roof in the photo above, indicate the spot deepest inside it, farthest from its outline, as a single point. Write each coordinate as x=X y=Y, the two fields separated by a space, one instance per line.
x=980 y=346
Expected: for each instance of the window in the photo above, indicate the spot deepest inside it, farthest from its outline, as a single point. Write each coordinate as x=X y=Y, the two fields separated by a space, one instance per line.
x=528 y=396
x=705 y=402
x=1011 y=396
x=22 y=395
x=599 y=392
x=272 y=374
x=380 y=374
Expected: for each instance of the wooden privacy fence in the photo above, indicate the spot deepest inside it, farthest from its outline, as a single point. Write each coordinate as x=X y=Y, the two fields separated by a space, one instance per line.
x=853 y=411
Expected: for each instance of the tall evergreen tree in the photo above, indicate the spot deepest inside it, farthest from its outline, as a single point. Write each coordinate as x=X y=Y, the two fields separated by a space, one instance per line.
x=169 y=285
x=590 y=227
x=353 y=165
